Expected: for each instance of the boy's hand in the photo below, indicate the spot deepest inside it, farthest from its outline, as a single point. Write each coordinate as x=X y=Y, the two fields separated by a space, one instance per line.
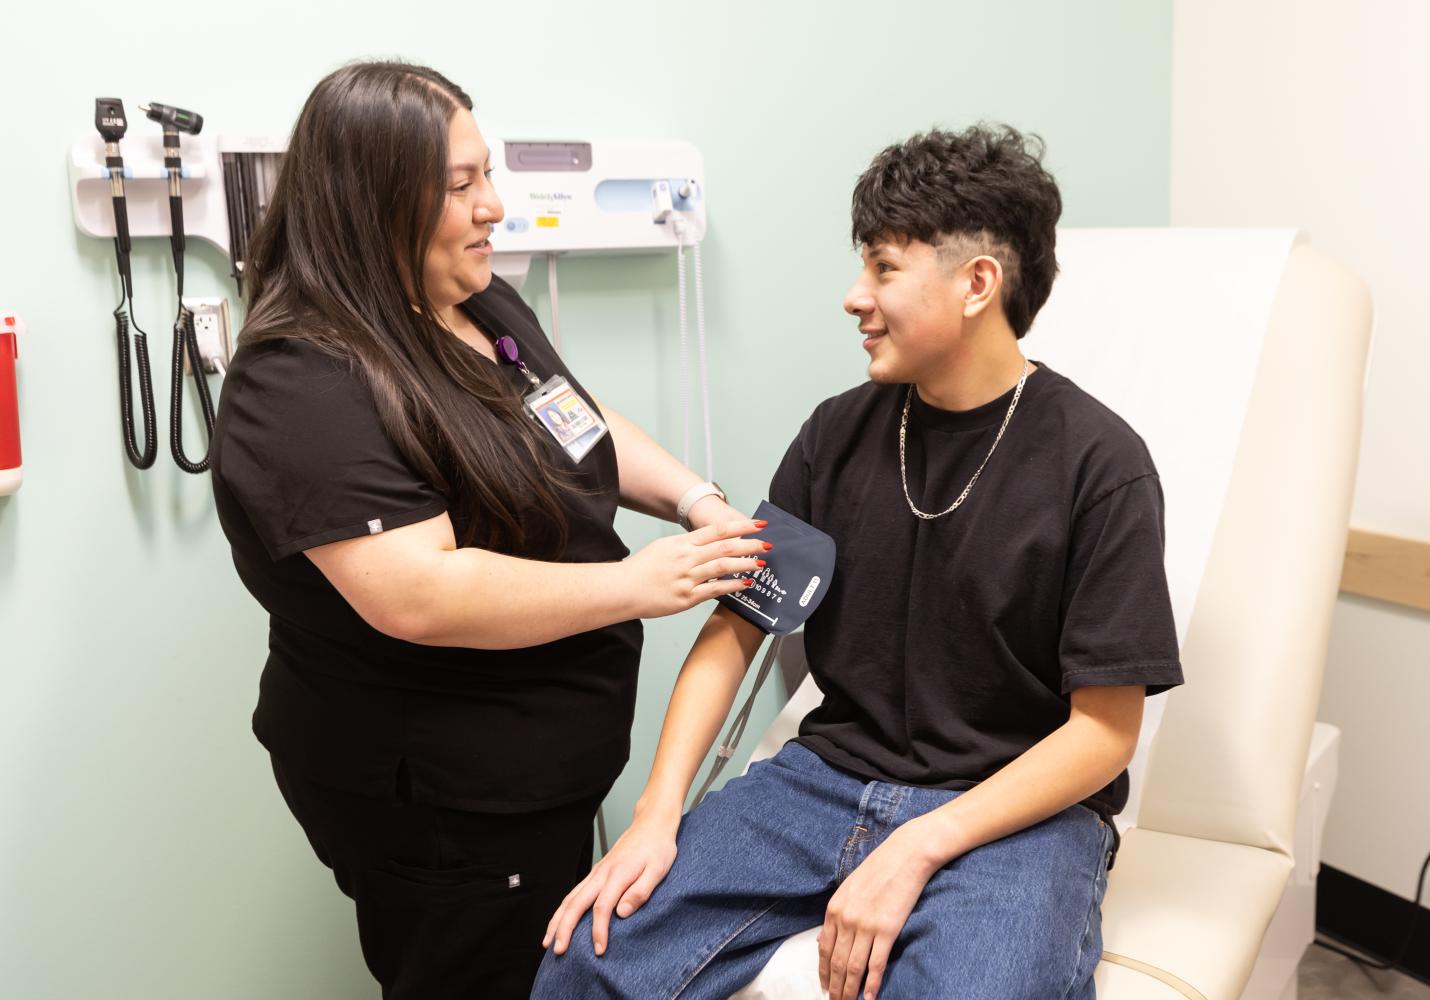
x=867 y=913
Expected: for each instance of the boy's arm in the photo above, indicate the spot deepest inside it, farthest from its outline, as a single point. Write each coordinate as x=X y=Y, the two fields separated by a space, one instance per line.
x=1077 y=759
x=624 y=879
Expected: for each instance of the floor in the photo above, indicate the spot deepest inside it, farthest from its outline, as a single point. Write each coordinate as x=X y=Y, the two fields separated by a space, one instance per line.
x=1324 y=975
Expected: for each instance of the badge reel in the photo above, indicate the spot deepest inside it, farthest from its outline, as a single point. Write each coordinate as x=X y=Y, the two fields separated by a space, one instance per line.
x=554 y=404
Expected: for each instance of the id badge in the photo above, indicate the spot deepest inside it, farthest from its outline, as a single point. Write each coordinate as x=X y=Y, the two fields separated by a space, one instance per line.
x=566 y=416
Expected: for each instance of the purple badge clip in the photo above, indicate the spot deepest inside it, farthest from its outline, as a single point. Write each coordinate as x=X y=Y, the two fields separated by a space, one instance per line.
x=508 y=353
x=507 y=350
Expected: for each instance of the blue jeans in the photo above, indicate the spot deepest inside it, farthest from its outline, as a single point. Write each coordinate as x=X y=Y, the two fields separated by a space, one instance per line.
x=1017 y=919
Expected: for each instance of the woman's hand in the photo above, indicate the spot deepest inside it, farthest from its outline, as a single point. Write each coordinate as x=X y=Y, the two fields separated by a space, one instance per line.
x=678 y=572
x=621 y=882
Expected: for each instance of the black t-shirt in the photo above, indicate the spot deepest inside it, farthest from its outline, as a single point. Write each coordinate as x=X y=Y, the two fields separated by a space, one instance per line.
x=947 y=648
x=300 y=459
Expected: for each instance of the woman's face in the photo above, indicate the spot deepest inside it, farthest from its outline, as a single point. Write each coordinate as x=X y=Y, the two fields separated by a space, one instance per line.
x=459 y=262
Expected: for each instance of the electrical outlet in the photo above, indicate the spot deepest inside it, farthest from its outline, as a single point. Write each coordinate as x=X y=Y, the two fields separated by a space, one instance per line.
x=211 y=329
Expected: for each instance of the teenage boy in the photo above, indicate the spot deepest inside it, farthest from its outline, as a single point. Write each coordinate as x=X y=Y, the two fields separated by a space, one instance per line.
x=998 y=614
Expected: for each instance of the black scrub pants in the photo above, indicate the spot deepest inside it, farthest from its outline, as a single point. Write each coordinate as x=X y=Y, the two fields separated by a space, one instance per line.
x=450 y=904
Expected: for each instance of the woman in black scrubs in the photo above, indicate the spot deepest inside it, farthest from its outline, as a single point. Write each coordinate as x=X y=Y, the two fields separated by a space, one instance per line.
x=454 y=623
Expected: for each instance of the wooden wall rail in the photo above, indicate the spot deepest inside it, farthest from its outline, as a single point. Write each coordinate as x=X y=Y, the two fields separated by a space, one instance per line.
x=1387 y=568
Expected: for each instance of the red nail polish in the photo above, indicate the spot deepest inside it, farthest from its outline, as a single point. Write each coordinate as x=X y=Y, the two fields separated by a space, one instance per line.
x=749 y=583
x=762 y=524
x=759 y=562
x=768 y=546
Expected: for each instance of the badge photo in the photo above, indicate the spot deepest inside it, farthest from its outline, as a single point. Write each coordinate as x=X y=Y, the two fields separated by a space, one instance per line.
x=568 y=418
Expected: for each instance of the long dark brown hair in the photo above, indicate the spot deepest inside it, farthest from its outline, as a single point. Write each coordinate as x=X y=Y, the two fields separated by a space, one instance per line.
x=337 y=261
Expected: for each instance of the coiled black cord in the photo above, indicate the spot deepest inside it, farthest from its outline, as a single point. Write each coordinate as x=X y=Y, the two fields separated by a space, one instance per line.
x=139 y=458
x=185 y=339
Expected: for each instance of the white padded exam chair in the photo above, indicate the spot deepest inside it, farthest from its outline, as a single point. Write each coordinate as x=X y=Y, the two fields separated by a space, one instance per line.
x=1241 y=361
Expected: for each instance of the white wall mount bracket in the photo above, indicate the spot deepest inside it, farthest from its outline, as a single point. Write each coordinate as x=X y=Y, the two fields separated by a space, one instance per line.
x=560 y=197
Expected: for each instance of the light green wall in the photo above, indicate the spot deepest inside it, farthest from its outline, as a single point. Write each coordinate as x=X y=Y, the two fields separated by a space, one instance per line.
x=143 y=849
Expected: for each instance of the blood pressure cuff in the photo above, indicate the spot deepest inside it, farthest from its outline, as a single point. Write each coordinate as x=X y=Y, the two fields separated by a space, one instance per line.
x=796 y=576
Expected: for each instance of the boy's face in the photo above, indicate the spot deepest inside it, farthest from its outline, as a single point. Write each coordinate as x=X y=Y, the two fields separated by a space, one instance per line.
x=910 y=306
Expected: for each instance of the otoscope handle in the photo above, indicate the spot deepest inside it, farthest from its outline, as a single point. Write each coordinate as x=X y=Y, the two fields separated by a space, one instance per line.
x=121 y=225
x=176 y=223
x=114 y=163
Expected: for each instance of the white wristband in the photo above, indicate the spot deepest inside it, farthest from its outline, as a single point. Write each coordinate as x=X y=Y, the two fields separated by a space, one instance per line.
x=692 y=496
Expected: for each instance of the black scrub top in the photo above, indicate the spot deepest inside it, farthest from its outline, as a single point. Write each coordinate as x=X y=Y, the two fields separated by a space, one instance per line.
x=300 y=459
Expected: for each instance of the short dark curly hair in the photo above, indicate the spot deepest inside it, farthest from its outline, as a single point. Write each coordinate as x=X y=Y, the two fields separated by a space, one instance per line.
x=980 y=191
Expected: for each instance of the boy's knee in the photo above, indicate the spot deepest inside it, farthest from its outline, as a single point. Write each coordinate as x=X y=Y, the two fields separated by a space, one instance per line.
x=580 y=974
x=573 y=974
